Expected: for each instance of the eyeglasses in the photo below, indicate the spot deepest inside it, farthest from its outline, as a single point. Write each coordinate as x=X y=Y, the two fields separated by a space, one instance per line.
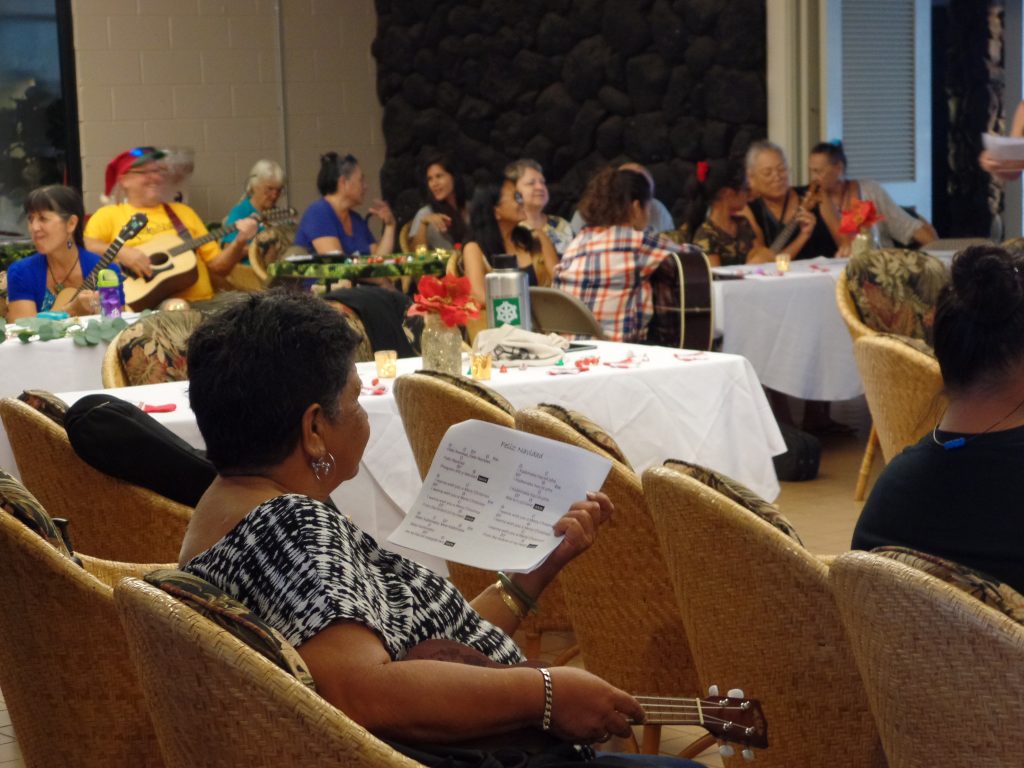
x=146 y=172
x=777 y=172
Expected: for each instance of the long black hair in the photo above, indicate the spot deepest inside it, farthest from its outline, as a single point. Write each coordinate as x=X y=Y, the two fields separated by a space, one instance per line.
x=730 y=173
x=64 y=201
x=483 y=224
x=457 y=228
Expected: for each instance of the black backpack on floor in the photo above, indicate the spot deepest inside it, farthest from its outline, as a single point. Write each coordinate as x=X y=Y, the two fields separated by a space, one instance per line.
x=802 y=456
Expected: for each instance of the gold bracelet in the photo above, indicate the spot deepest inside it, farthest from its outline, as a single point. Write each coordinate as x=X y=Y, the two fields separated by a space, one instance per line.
x=510 y=602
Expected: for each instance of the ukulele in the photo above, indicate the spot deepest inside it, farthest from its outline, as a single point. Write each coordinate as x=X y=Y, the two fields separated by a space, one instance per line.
x=732 y=718
x=175 y=264
x=809 y=203
x=66 y=296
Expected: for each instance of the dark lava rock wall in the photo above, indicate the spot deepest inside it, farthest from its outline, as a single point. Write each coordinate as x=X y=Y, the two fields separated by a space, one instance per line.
x=573 y=84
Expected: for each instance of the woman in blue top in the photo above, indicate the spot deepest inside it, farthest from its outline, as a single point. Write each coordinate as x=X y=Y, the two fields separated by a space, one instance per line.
x=262 y=190
x=330 y=225
x=55 y=222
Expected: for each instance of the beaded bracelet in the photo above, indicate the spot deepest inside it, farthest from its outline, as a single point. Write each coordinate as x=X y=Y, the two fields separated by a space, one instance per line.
x=510 y=602
x=545 y=722
x=518 y=592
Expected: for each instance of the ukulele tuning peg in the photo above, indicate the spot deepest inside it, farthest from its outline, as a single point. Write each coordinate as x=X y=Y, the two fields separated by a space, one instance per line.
x=726 y=750
x=735 y=693
x=748 y=754
x=712 y=690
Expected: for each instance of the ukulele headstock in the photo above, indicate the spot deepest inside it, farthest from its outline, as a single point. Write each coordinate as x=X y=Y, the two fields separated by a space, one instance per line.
x=134 y=225
x=277 y=215
x=735 y=718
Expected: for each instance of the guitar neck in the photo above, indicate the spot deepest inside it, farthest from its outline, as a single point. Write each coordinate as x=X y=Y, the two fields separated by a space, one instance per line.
x=89 y=283
x=197 y=242
x=784 y=237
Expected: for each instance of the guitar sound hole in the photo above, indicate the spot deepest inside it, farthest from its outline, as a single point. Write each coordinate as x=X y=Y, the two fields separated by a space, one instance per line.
x=159 y=259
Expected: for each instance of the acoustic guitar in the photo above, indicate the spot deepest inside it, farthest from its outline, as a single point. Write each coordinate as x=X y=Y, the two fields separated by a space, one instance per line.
x=682 y=305
x=66 y=296
x=733 y=718
x=175 y=264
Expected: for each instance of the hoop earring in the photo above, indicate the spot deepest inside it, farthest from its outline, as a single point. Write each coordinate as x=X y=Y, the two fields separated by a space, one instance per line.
x=322 y=467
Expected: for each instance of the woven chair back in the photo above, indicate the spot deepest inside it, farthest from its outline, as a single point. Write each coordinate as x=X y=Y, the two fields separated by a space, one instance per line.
x=903 y=388
x=66 y=677
x=215 y=701
x=760 y=616
x=112 y=372
x=620 y=597
x=848 y=310
x=944 y=672
x=429 y=406
x=555 y=311
x=109 y=518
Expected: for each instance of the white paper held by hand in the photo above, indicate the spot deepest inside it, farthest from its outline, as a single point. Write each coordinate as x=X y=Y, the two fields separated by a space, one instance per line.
x=1005 y=148
x=493 y=494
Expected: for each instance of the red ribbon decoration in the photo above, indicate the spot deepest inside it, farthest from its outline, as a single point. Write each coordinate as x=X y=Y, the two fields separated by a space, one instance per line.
x=702 y=170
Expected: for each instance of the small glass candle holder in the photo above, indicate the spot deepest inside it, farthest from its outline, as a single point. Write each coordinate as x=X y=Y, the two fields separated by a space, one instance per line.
x=782 y=263
x=387 y=363
x=480 y=366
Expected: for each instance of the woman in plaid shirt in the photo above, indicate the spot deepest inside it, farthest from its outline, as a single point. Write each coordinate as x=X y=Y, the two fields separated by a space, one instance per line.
x=609 y=265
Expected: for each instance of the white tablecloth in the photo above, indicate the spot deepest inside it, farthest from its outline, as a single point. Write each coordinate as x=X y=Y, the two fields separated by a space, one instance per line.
x=701 y=407
x=58 y=365
x=789 y=328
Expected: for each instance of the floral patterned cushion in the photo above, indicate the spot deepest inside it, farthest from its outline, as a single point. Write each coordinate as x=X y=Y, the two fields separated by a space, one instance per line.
x=16 y=500
x=595 y=434
x=47 y=403
x=988 y=589
x=478 y=390
x=239 y=621
x=896 y=290
x=153 y=349
x=738 y=493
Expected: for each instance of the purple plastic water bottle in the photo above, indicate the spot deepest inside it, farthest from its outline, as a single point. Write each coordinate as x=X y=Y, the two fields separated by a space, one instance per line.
x=110 y=297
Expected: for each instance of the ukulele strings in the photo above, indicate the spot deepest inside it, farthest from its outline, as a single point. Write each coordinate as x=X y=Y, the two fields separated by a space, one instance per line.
x=667 y=706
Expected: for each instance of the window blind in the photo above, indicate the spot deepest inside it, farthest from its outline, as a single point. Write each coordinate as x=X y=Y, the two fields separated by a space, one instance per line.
x=879 y=122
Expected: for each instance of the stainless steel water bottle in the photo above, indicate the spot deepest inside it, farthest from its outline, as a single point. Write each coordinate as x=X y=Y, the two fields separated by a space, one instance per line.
x=507 y=293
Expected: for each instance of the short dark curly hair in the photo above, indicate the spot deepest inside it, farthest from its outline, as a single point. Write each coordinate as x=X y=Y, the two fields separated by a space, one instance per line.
x=609 y=195
x=255 y=367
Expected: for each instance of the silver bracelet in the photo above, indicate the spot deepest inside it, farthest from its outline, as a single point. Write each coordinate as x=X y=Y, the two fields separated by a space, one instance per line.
x=545 y=723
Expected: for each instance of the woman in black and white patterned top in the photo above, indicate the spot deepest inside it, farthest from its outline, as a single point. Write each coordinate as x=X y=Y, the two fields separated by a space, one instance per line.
x=276 y=397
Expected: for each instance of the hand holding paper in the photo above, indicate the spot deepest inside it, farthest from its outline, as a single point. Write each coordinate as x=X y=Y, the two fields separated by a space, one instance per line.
x=493 y=495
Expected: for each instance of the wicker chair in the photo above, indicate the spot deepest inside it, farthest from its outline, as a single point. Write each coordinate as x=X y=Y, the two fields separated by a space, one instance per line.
x=112 y=373
x=428 y=407
x=109 y=517
x=404 y=243
x=619 y=593
x=557 y=312
x=857 y=328
x=215 y=701
x=759 y=615
x=944 y=672
x=903 y=387
x=65 y=673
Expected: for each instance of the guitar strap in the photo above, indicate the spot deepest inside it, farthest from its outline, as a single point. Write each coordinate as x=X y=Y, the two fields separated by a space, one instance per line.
x=179 y=227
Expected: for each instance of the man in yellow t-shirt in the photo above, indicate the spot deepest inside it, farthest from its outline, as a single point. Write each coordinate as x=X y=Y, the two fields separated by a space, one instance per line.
x=140 y=175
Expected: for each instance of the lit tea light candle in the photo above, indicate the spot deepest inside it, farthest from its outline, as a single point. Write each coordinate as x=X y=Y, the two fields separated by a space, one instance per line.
x=782 y=263
x=387 y=363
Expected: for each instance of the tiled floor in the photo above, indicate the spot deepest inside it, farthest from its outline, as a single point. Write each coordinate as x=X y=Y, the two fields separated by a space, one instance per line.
x=823 y=511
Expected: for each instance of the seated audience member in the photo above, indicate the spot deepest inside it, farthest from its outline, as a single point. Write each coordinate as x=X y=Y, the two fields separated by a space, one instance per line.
x=956 y=493
x=55 y=215
x=610 y=264
x=1006 y=170
x=528 y=177
x=263 y=187
x=660 y=219
x=775 y=204
x=827 y=165
x=442 y=222
x=264 y=533
x=139 y=176
x=329 y=225
x=495 y=216
x=715 y=221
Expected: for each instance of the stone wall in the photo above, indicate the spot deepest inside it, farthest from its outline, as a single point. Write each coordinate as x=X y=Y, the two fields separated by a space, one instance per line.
x=573 y=84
